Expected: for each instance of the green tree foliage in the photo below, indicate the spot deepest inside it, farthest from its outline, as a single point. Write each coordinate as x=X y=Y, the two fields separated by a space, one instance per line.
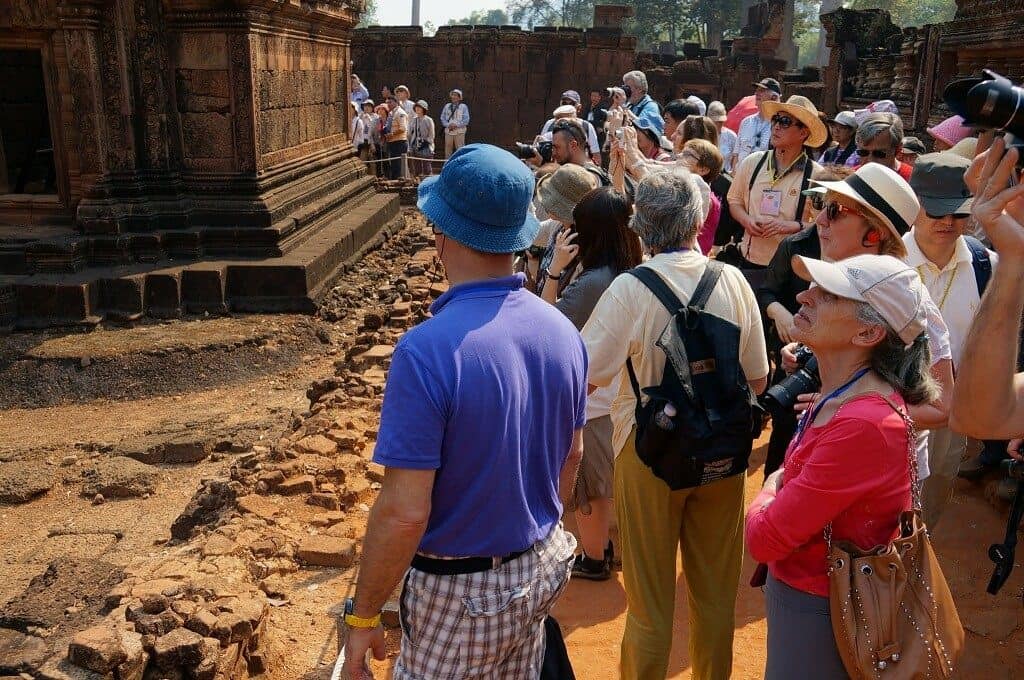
x=911 y=12
x=530 y=13
x=369 y=16
x=481 y=17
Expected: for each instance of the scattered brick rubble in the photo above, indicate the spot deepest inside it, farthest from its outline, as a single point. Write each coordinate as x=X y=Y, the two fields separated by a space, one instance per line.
x=201 y=610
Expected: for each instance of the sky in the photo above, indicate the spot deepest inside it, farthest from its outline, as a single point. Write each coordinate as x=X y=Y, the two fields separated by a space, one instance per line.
x=399 y=12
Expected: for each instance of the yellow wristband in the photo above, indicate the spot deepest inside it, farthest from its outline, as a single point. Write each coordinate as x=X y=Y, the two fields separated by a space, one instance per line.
x=353 y=621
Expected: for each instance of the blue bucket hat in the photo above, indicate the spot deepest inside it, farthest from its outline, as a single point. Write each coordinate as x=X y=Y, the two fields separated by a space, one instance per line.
x=652 y=121
x=481 y=199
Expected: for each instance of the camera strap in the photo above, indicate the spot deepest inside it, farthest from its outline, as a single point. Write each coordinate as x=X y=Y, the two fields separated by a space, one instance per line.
x=1003 y=553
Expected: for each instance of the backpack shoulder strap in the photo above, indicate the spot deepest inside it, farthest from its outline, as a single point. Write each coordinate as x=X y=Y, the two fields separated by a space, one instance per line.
x=981 y=261
x=707 y=283
x=657 y=285
x=757 y=169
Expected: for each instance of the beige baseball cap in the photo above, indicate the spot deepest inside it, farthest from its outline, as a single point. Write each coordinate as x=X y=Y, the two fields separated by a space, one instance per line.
x=890 y=286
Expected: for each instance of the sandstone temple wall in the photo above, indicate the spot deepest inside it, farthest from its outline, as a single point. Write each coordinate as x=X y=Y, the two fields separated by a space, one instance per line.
x=511 y=79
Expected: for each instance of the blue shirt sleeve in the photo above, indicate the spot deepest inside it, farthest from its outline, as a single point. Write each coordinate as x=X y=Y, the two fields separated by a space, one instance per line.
x=465 y=116
x=581 y=395
x=413 y=415
x=446 y=116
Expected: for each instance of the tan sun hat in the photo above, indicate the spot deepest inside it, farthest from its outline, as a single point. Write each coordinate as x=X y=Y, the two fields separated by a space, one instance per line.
x=890 y=286
x=804 y=111
x=717 y=112
x=561 y=190
x=885 y=194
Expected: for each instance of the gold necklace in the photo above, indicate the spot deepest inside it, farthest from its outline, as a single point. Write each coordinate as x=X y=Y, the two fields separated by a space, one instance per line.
x=949 y=283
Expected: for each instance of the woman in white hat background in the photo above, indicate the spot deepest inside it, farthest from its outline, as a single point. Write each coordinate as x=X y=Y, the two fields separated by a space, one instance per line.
x=421 y=140
x=848 y=472
x=728 y=141
x=766 y=196
x=844 y=130
x=867 y=214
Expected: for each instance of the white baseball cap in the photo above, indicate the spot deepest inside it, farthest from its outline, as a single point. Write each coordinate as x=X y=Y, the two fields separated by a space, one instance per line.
x=699 y=103
x=566 y=110
x=890 y=286
x=716 y=112
x=846 y=118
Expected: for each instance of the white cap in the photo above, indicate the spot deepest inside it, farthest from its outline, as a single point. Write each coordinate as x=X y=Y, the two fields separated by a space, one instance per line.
x=701 y=106
x=717 y=112
x=890 y=286
x=566 y=110
x=846 y=118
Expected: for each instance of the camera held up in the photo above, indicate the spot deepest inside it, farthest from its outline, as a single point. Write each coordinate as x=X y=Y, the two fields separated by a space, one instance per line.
x=991 y=102
x=527 y=152
x=805 y=380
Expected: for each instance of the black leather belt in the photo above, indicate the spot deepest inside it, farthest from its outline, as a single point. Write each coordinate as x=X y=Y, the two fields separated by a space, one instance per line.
x=465 y=565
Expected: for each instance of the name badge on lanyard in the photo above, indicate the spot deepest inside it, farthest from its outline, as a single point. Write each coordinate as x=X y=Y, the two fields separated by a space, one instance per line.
x=771 y=202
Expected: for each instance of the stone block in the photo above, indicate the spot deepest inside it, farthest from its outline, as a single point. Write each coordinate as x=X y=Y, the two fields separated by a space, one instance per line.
x=97 y=649
x=207 y=135
x=327 y=551
x=316 y=444
x=20 y=653
x=157 y=624
x=186 y=450
x=325 y=500
x=180 y=647
x=537 y=86
x=232 y=627
x=202 y=622
x=202 y=289
x=163 y=294
x=203 y=51
x=124 y=297
x=297 y=485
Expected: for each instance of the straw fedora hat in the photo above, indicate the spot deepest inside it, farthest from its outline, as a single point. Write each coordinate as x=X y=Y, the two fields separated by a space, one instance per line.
x=804 y=111
x=883 y=193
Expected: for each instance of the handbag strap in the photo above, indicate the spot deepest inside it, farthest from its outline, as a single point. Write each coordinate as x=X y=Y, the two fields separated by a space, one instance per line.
x=915 y=486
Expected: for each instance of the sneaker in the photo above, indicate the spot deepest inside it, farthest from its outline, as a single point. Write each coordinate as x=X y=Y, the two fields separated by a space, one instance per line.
x=974 y=469
x=591 y=569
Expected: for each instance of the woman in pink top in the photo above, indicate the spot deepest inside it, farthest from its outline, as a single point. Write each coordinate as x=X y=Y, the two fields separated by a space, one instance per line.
x=850 y=464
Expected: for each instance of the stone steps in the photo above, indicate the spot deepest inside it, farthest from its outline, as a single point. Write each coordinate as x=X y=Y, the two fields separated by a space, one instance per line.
x=167 y=289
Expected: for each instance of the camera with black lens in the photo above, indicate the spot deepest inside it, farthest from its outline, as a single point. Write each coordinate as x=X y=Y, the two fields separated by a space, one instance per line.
x=1014 y=469
x=527 y=152
x=991 y=102
x=805 y=380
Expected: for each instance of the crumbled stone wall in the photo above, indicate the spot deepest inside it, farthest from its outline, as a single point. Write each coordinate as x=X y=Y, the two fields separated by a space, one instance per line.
x=511 y=79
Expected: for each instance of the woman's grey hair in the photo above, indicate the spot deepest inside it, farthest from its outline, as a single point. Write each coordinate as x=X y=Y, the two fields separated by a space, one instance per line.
x=668 y=208
x=907 y=369
x=638 y=77
x=881 y=124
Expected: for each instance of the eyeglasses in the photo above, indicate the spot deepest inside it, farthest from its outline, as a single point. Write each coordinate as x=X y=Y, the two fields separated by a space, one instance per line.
x=817 y=201
x=876 y=153
x=952 y=216
x=785 y=122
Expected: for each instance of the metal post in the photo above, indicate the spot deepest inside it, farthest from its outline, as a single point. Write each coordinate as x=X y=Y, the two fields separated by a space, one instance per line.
x=415 y=13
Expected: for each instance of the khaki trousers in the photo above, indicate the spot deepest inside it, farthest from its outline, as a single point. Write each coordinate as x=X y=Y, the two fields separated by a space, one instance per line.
x=705 y=525
x=945 y=451
x=453 y=142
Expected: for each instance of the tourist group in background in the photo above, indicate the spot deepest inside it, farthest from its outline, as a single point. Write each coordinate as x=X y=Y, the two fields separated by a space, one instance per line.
x=632 y=296
x=401 y=126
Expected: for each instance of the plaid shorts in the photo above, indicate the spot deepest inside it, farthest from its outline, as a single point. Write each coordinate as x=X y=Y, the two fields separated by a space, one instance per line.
x=484 y=625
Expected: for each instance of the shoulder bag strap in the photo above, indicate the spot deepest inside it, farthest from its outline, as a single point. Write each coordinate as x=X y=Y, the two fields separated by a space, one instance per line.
x=670 y=300
x=981 y=262
x=707 y=283
x=757 y=170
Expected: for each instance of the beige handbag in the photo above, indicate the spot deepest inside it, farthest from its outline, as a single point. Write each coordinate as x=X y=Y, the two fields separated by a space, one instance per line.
x=892 y=613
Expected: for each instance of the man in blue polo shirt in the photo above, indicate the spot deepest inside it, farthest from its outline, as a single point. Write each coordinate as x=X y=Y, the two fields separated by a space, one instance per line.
x=481 y=428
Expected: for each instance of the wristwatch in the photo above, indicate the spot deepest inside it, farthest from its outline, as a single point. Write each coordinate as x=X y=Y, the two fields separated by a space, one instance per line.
x=353 y=621
x=547 y=273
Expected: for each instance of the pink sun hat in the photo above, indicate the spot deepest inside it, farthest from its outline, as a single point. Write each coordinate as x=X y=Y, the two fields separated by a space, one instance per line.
x=951 y=130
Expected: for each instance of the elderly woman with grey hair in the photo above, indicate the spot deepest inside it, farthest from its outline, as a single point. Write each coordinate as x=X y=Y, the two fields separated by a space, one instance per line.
x=703 y=523
x=634 y=84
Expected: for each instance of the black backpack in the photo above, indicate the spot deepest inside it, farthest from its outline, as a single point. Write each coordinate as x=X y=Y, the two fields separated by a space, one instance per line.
x=717 y=415
x=981 y=263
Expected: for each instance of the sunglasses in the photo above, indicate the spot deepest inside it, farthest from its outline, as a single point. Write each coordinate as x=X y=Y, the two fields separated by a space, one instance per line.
x=955 y=216
x=877 y=153
x=833 y=210
x=785 y=122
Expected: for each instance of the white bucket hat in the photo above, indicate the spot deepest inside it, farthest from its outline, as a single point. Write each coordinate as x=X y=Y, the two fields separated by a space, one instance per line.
x=890 y=286
x=885 y=194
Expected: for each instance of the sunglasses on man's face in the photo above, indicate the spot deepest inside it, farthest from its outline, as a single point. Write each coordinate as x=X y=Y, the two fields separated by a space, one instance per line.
x=875 y=153
x=785 y=122
x=953 y=216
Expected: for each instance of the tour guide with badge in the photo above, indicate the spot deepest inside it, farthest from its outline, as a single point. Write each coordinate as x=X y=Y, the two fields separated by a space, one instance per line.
x=766 y=196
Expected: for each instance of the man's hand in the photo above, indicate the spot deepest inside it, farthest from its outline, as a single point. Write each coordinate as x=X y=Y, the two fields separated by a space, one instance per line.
x=1013 y=448
x=360 y=641
x=783 y=323
x=777 y=227
x=998 y=209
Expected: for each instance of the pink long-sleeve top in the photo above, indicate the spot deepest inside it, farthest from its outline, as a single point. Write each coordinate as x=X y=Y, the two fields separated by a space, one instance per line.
x=706 y=237
x=852 y=471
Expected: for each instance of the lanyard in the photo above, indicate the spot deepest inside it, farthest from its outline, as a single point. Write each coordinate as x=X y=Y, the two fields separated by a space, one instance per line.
x=811 y=414
x=949 y=283
x=771 y=169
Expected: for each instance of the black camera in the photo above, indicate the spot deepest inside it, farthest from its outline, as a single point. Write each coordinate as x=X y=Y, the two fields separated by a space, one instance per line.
x=527 y=152
x=991 y=102
x=805 y=380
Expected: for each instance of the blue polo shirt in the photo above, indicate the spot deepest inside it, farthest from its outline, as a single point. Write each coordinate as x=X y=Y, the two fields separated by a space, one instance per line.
x=488 y=393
